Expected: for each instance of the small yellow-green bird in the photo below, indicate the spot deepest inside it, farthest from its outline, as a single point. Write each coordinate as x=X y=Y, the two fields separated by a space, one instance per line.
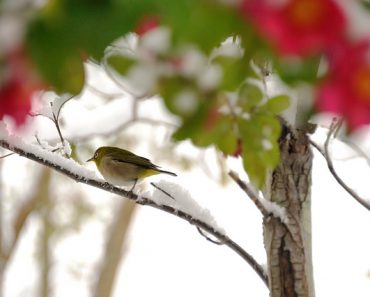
x=121 y=167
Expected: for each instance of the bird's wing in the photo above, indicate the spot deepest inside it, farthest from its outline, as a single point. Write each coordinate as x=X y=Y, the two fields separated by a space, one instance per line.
x=133 y=159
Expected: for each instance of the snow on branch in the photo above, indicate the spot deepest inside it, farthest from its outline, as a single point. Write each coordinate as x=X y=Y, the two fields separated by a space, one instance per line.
x=266 y=207
x=185 y=208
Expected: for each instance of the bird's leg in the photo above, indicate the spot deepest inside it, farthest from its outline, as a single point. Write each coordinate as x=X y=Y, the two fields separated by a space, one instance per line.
x=132 y=188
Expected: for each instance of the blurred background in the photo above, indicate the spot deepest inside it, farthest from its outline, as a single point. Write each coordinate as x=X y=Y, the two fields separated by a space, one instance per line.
x=62 y=238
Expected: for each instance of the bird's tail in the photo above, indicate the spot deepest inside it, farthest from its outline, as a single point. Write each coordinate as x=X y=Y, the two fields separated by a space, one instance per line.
x=167 y=172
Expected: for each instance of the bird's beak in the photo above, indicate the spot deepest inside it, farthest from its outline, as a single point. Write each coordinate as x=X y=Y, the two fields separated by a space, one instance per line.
x=91 y=159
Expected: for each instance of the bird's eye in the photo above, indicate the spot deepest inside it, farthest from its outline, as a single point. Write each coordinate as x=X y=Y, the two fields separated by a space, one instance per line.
x=96 y=155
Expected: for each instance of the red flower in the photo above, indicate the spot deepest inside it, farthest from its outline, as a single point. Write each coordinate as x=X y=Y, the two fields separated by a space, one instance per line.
x=298 y=27
x=17 y=87
x=346 y=89
x=146 y=24
x=15 y=100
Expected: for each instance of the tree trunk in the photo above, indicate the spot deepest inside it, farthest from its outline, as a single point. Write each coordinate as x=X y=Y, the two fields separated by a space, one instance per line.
x=288 y=244
x=115 y=249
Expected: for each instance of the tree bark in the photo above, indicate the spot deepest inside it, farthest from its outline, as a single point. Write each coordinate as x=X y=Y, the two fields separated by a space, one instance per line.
x=288 y=243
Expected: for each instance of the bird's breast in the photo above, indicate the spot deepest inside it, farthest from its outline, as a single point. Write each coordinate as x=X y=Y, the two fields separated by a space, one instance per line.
x=119 y=173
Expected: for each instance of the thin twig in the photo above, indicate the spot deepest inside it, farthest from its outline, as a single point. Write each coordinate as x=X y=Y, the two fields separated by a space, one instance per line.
x=153 y=122
x=163 y=191
x=356 y=148
x=7 y=155
x=44 y=146
x=103 y=94
x=123 y=126
x=335 y=126
x=56 y=123
x=134 y=119
x=325 y=153
x=145 y=201
x=201 y=232
x=61 y=106
x=55 y=120
x=250 y=193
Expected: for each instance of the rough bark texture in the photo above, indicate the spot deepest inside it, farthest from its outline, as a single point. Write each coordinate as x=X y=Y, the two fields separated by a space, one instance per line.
x=288 y=245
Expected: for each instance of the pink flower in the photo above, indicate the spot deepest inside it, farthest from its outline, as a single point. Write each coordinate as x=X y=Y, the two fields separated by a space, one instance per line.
x=346 y=89
x=297 y=27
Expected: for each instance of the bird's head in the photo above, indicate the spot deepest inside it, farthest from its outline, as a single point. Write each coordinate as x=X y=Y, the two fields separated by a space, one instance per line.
x=100 y=153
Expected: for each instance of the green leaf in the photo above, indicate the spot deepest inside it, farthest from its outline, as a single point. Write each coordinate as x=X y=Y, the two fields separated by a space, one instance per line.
x=120 y=63
x=268 y=124
x=193 y=123
x=221 y=134
x=250 y=95
x=297 y=70
x=234 y=71
x=204 y=23
x=228 y=142
x=174 y=92
x=258 y=157
x=270 y=157
x=59 y=64
x=366 y=4
x=254 y=167
x=65 y=32
x=251 y=134
x=276 y=104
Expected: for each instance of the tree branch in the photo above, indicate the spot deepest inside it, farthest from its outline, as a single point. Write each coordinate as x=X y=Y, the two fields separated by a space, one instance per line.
x=143 y=201
x=325 y=153
x=6 y=155
x=250 y=193
x=201 y=232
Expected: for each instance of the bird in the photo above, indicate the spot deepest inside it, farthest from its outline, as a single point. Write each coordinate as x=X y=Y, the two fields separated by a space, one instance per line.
x=121 y=167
